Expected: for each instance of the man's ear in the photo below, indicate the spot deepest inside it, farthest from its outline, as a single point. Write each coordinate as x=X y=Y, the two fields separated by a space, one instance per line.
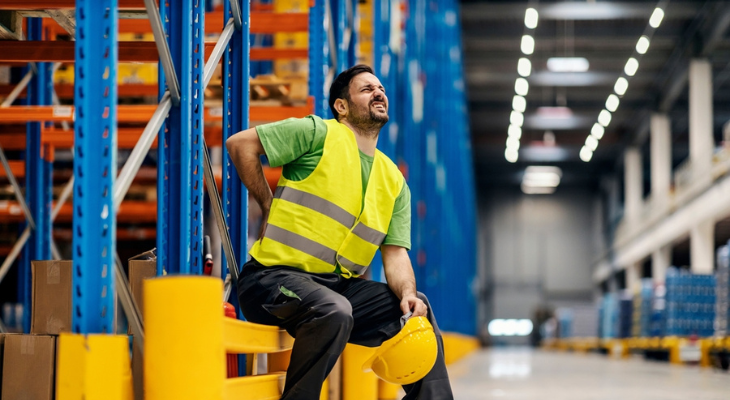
x=341 y=106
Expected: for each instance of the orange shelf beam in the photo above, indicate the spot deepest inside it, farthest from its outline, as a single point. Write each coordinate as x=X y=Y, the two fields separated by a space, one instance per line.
x=18 y=168
x=130 y=5
x=130 y=211
x=142 y=113
x=57 y=4
x=127 y=138
x=260 y=23
x=122 y=234
x=61 y=51
x=66 y=90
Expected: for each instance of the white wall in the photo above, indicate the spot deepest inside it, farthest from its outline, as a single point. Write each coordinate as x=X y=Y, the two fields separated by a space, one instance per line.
x=537 y=250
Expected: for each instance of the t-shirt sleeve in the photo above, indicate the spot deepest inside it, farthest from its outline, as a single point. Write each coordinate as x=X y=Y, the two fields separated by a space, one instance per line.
x=287 y=140
x=399 y=231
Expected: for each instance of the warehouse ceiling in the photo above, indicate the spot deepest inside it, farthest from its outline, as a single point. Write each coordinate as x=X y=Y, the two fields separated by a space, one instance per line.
x=563 y=106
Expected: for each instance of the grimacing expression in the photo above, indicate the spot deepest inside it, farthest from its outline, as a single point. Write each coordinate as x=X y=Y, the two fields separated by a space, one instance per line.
x=368 y=102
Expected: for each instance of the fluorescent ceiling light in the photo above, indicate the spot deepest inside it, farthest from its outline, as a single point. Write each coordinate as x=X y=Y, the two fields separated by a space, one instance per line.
x=555 y=112
x=612 y=102
x=656 y=17
x=519 y=103
x=642 y=45
x=531 y=18
x=597 y=131
x=513 y=143
x=604 y=118
x=585 y=154
x=528 y=44
x=537 y=190
x=524 y=67
x=632 y=65
x=511 y=155
x=591 y=142
x=516 y=118
x=514 y=131
x=621 y=85
x=567 y=64
x=521 y=86
x=542 y=177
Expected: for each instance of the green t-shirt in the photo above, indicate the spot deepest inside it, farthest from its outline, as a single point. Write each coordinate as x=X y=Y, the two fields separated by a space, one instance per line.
x=298 y=144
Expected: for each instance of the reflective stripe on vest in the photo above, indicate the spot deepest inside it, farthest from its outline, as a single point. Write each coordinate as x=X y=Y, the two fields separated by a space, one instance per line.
x=331 y=210
x=301 y=243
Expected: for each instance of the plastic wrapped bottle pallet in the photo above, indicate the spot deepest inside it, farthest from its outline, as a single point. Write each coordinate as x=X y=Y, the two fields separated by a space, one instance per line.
x=690 y=303
x=646 y=296
x=626 y=306
x=722 y=291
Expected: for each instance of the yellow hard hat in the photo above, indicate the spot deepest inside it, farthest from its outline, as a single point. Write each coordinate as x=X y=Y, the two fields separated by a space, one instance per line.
x=408 y=356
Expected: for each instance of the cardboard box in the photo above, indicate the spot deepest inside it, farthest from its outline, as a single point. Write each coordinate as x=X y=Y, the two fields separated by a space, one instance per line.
x=2 y=348
x=140 y=270
x=52 y=297
x=28 y=367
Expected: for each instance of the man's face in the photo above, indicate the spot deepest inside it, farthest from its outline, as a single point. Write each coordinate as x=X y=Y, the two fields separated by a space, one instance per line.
x=368 y=103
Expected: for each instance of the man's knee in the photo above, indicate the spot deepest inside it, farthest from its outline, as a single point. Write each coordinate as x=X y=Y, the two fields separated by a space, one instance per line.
x=336 y=311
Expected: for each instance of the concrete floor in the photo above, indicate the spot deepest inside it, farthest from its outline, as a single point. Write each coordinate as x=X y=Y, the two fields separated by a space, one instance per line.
x=522 y=374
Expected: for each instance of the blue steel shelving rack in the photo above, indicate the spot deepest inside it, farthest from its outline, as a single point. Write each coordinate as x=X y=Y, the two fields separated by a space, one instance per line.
x=428 y=137
x=38 y=172
x=95 y=166
x=180 y=178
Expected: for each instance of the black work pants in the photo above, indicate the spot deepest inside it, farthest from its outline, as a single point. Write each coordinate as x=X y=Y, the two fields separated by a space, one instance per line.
x=324 y=312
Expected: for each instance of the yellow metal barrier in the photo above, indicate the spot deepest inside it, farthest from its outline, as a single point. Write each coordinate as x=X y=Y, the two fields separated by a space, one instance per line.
x=93 y=367
x=187 y=338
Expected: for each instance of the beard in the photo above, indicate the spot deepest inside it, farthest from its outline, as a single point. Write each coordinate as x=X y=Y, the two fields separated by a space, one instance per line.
x=368 y=120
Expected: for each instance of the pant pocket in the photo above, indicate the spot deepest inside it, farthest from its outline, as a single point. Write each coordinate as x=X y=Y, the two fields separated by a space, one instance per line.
x=283 y=303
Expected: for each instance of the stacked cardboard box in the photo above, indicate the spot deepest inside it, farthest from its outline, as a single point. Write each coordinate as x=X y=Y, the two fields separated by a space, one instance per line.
x=28 y=361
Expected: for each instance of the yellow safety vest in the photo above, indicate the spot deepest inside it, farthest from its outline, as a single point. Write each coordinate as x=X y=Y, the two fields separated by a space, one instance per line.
x=320 y=222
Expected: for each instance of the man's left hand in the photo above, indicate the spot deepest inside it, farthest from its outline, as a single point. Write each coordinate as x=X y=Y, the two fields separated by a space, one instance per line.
x=411 y=303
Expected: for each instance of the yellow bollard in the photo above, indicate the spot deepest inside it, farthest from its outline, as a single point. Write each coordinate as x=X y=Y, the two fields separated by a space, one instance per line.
x=184 y=354
x=93 y=367
x=358 y=385
x=387 y=390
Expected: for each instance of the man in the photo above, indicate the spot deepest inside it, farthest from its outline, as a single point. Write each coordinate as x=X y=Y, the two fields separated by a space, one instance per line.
x=338 y=201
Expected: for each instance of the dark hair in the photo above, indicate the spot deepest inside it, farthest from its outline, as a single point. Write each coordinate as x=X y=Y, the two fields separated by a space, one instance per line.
x=341 y=85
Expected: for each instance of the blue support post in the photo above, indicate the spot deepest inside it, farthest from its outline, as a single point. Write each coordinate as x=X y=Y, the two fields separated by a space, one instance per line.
x=38 y=182
x=236 y=72
x=163 y=165
x=235 y=119
x=339 y=24
x=95 y=166
x=182 y=139
x=197 y=111
x=318 y=59
x=261 y=40
x=352 y=45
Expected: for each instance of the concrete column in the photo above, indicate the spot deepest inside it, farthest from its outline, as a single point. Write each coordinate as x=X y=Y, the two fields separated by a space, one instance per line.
x=633 y=277
x=661 y=159
x=702 y=251
x=632 y=185
x=661 y=260
x=701 y=140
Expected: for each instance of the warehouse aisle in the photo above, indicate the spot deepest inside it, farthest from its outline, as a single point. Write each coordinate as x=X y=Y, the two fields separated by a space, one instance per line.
x=524 y=374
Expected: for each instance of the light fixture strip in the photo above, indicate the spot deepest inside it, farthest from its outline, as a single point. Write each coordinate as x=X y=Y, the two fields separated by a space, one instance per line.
x=522 y=86
x=622 y=83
